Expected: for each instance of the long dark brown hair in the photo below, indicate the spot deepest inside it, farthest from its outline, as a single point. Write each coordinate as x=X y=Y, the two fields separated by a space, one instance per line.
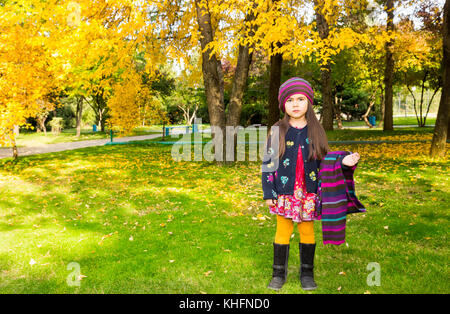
x=318 y=141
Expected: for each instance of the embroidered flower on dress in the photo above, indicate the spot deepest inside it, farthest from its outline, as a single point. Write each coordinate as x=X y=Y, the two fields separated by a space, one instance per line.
x=270 y=178
x=289 y=143
x=312 y=175
x=286 y=162
x=284 y=179
x=274 y=194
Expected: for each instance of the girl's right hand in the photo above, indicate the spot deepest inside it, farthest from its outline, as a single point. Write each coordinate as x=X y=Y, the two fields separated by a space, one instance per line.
x=270 y=202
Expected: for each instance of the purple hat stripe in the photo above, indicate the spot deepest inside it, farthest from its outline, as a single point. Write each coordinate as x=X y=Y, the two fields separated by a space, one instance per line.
x=296 y=90
x=296 y=84
x=295 y=81
x=302 y=86
x=295 y=87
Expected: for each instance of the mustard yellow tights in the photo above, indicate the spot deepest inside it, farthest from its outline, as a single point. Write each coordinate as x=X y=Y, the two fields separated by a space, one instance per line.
x=285 y=227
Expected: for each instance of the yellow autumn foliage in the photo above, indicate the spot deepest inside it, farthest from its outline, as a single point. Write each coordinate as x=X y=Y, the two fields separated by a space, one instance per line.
x=27 y=71
x=132 y=102
x=125 y=113
x=76 y=45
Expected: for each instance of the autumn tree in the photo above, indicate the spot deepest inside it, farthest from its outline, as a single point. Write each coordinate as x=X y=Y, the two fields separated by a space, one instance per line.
x=288 y=29
x=324 y=31
x=368 y=58
x=29 y=66
x=217 y=30
x=78 y=114
x=440 y=133
x=419 y=55
x=86 y=48
x=186 y=99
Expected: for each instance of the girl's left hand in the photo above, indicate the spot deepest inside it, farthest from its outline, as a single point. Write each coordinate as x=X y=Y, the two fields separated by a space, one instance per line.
x=351 y=160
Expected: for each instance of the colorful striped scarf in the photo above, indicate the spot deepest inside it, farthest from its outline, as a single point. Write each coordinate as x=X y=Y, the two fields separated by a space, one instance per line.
x=336 y=197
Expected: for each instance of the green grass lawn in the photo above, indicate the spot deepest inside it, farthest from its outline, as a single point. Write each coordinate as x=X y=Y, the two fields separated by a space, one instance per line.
x=136 y=221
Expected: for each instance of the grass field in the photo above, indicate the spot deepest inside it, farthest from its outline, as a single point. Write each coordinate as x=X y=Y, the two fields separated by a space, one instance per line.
x=135 y=221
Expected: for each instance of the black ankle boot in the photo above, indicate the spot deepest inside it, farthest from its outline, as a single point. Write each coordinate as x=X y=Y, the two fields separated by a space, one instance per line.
x=307 y=266
x=280 y=265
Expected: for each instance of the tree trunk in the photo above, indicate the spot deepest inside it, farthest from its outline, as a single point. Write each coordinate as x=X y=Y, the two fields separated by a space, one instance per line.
x=240 y=75
x=327 y=99
x=237 y=93
x=382 y=109
x=325 y=74
x=98 y=104
x=429 y=105
x=389 y=72
x=79 y=114
x=40 y=119
x=187 y=115
x=15 y=152
x=337 y=107
x=421 y=119
x=101 y=125
x=239 y=84
x=414 y=103
x=276 y=63
x=194 y=114
x=371 y=103
x=448 y=126
x=442 y=126
x=367 y=114
x=12 y=141
x=213 y=80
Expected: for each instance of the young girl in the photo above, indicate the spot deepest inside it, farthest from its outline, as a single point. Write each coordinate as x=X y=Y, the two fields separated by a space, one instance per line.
x=290 y=183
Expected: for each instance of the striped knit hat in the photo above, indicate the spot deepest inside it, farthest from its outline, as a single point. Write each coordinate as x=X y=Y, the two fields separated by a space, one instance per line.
x=294 y=85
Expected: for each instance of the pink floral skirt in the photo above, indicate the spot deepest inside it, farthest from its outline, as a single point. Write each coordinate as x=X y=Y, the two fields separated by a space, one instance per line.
x=300 y=206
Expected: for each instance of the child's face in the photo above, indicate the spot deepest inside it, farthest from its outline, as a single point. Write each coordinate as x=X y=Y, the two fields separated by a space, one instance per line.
x=296 y=106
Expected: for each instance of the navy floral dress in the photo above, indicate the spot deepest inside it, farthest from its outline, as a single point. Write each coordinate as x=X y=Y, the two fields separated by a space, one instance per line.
x=300 y=206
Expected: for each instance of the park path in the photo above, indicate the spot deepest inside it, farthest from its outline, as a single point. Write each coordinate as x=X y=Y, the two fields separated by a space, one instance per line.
x=51 y=148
